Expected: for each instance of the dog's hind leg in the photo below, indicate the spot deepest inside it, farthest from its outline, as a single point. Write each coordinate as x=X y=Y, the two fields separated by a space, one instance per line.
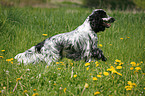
x=51 y=54
x=29 y=56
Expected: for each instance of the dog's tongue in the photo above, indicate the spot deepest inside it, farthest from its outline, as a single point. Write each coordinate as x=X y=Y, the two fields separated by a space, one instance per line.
x=106 y=24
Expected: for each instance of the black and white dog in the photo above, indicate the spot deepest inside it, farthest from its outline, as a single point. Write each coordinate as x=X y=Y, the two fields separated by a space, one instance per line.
x=78 y=44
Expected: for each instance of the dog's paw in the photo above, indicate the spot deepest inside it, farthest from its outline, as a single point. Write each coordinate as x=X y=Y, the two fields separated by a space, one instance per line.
x=104 y=58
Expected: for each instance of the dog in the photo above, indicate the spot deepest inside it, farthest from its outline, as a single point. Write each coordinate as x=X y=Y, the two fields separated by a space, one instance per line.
x=78 y=44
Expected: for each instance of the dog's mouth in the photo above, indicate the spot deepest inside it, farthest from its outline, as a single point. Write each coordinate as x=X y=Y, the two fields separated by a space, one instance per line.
x=107 y=25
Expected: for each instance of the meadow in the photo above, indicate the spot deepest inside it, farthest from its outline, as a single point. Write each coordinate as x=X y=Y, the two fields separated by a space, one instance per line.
x=123 y=44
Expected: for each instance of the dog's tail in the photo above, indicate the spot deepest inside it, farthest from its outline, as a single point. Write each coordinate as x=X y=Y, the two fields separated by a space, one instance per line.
x=29 y=56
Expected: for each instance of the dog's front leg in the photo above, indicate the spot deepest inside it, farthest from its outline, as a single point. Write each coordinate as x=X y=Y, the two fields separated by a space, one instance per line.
x=98 y=53
x=87 y=54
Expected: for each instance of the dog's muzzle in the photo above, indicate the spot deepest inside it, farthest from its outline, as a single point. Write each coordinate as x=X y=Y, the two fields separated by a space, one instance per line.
x=108 y=20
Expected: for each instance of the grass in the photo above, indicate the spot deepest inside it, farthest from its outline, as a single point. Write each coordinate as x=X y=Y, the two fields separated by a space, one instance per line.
x=21 y=28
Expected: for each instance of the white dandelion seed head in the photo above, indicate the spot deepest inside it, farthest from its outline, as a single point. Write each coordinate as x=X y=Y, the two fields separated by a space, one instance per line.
x=28 y=70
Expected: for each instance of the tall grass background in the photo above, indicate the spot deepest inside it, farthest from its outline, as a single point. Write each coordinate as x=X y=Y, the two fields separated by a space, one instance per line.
x=22 y=28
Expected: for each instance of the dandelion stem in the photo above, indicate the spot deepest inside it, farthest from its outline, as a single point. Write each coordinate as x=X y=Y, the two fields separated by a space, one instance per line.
x=70 y=93
x=15 y=87
x=83 y=91
x=26 y=94
x=7 y=84
x=21 y=85
x=72 y=72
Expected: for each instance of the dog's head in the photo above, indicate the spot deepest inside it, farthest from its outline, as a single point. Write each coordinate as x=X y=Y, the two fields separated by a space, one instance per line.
x=99 y=20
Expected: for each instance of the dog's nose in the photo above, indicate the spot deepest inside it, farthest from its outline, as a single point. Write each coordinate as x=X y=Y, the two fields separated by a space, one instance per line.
x=111 y=20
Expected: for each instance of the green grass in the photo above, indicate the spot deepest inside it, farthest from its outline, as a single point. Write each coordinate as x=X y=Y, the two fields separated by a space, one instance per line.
x=21 y=28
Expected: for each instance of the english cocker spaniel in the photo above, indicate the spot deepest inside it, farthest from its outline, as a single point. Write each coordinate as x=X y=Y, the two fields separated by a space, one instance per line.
x=78 y=44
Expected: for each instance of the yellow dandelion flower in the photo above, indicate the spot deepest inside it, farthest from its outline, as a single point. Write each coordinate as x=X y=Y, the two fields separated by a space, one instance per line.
x=99 y=76
x=34 y=89
x=8 y=60
x=71 y=64
x=129 y=83
x=1 y=57
x=119 y=67
x=128 y=89
x=18 y=79
x=117 y=60
x=44 y=34
x=11 y=59
x=54 y=84
x=100 y=45
x=94 y=78
x=137 y=64
x=56 y=62
x=112 y=69
x=110 y=44
x=144 y=88
x=106 y=73
x=12 y=62
x=127 y=86
x=87 y=68
x=96 y=93
x=96 y=62
x=25 y=91
x=109 y=69
x=35 y=94
x=131 y=68
x=121 y=38
x=115 y=63
x=134 y=84
x=2 y=50
x=58 y=68
x=121 y=63
x=133 y=63
x=100 y=72
x=97 y=65
x=0 y=92
x=86 y=85
x=137 y=68
x=75 y=76
x=141 y=62
x=87 y=64
x=128 y=37
x=64 y=90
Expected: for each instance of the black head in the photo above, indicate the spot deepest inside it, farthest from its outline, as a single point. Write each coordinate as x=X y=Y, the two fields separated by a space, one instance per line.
x=99 y=20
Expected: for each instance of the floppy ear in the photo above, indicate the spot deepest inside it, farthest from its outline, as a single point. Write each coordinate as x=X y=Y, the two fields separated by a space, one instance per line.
x=96 y=22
